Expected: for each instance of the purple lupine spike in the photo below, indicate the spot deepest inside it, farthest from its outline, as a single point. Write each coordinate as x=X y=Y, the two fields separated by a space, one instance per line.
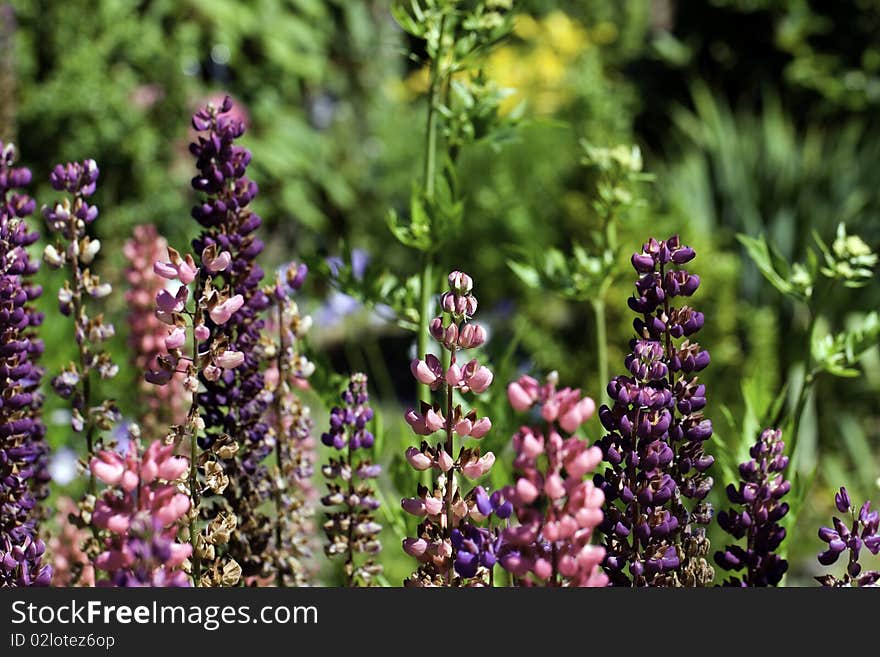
x=863 y=530
x=759 y=508
x=23 y=449
x=351 y=528
x=654 y=447
x=235 y=403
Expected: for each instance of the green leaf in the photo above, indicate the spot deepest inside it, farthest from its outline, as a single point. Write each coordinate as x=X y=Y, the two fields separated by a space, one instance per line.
x=411 y=23
x=525 y=273
x=760 y=254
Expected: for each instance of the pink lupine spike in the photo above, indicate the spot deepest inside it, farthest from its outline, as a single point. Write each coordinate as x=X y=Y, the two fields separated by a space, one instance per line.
x=434 y=421
x=480 y=467
x=111 y=560
x=543 y=568
x=448 y=511
x=471 y=336
x=481 y=380
x=118 y=523
x=526 y=492
x=554 y=487
x=137 y=510
x=584 y=461
x=532 y=446
x=551 y=496
x=130 y=481
x=550 y=410
x=180 y=552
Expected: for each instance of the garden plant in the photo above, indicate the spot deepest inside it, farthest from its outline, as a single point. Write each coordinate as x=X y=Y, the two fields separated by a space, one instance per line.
x=445 y=307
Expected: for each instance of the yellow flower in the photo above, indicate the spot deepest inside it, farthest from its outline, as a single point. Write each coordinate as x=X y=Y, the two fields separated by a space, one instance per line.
x=564 y=34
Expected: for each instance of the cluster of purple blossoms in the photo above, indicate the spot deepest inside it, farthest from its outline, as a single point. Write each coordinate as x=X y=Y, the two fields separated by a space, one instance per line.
x=23 y=450
x=350 y=527
x=656 y=432
x=756 y=518
x=235 y=403
x=863 y=531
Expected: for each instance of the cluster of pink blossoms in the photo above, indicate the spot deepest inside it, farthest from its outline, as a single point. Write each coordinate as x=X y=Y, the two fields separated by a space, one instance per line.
x=171 y=309
x=556 y=507
x=164 y=405
x=444 y=509
x=141 y=512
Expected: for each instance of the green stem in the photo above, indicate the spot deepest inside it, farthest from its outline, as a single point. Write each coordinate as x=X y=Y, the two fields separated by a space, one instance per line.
x=800 y=407
x=193 y=465
x=601 y=346
x=431 y=131
x=429 y=177
x=450 y=482
x=84 y=370
x=804 y=392
x=378 y=367
x=348 y=569
x=422 y=391
x=279 y=457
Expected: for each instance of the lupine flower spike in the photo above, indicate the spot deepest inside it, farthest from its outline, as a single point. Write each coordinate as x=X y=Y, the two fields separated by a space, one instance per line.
x=444 y=507
x=292 y=429
x=194 y=352
x=235 y=403
x=556 y=507
x=759 y=508
x=23 y=450
x=848 y=536
x=69 y=220
x=656 y=432
x=161 y=405
x=71 y=565
x=351 y=528
x=140 y=512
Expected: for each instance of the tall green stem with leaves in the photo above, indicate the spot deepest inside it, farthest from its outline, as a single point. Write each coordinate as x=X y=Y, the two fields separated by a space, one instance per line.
x=426 y=286
x=613 y=178
x=847 y=262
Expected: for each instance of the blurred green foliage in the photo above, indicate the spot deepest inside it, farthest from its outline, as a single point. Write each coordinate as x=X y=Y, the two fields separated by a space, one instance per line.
x=753 y=116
